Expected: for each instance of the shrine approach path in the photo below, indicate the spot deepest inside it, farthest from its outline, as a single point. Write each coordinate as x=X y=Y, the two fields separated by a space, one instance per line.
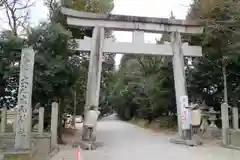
x=125 y=141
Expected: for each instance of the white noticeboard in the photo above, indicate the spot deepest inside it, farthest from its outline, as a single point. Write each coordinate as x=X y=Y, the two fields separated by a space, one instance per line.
x=185 y=114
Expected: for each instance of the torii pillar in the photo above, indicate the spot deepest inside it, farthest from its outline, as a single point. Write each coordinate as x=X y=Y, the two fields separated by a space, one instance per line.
x=184 y=128
x=94 y=76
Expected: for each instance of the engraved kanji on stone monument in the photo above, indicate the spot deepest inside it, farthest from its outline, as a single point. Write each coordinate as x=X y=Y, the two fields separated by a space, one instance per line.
x=24 y=99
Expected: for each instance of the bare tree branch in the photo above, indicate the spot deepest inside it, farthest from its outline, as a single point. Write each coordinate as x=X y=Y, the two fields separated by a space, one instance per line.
x=27 y=5
x=9 y=19
x=17 y=13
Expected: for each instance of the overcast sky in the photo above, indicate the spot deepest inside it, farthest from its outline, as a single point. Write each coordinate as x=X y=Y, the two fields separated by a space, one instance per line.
x=148 y=8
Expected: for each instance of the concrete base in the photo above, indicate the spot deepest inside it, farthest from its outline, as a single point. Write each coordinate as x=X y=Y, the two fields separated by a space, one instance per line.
x=234 y=137
x=28 y=155
x=230 y=147
x=87 y=145
x=192 y=142
x=232 y=140
x=212 y=132
x=85 y=135
x=40 y=143
x=53 y=153
x=19 y=155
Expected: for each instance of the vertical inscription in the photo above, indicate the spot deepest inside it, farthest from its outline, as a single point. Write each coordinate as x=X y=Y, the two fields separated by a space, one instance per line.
x=24 y=99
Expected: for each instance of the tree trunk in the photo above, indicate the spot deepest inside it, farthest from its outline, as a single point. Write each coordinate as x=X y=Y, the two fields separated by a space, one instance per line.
x=225 y=82
x=74 y=111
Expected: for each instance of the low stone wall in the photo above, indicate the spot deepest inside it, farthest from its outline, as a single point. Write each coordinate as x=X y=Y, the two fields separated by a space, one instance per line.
x=41 y=144
x=234 y=139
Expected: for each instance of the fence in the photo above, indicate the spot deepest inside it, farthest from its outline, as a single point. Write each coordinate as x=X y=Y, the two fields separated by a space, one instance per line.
x=8 y=123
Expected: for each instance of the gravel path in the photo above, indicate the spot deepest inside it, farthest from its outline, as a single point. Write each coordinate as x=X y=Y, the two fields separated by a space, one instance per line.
x=124 y=141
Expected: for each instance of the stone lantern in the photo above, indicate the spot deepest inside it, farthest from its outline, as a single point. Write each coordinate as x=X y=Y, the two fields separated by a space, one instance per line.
x=204 y=109
x=212 y=118
x=212 y=129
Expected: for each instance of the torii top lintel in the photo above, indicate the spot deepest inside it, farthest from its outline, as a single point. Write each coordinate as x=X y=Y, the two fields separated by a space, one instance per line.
x=130 y=23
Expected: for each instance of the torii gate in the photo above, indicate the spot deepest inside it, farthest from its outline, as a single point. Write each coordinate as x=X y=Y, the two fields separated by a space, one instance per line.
x=97 y=45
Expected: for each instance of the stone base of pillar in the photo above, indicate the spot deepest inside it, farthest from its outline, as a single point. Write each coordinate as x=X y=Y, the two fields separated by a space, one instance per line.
x=187 y=134
x=232 y=139
x=225 y=137
x=85 y=133
x=87 y=145
x=86 y=136
x=194 y=141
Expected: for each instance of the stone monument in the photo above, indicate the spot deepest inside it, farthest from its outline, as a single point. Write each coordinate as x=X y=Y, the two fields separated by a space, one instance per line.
x=23 y=149
x=22 y=143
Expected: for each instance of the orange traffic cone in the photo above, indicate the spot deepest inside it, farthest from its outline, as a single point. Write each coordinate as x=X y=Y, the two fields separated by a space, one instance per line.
x=78 y=153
